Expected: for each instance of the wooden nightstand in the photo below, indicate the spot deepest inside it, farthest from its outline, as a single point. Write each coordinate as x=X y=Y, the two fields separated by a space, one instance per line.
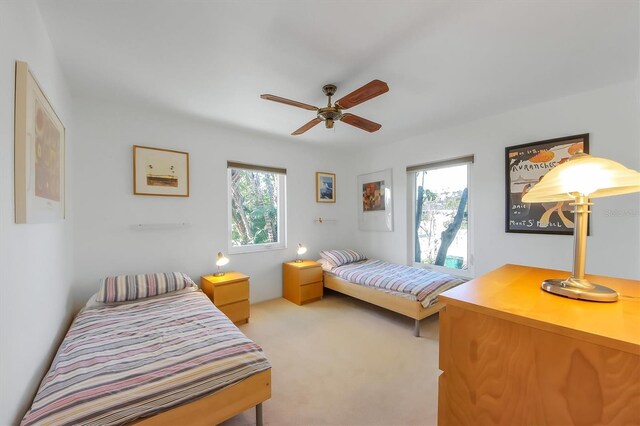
x=302 y=281
x=230 y=293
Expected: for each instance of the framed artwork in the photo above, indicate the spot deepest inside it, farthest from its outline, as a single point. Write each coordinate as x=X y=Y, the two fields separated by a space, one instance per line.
x=39 y=153
x=325 y=187
x=375 y=211
x=162 y=172
x=525 y=165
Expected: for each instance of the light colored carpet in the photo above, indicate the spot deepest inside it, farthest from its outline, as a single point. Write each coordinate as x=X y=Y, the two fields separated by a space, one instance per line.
x=340 y=361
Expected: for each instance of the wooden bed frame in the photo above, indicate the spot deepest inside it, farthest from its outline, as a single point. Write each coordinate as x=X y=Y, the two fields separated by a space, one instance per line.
x=410 y=308
x=220 y=406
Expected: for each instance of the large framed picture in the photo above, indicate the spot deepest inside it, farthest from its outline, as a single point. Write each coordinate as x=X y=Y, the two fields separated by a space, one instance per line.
x=525 y=165
x=162 y=172
x=375 y=212
x=39 y=153
x=325 y=187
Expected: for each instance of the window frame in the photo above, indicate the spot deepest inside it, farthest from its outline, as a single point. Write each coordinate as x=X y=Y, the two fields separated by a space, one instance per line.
x=411 y=178
x=282 y=211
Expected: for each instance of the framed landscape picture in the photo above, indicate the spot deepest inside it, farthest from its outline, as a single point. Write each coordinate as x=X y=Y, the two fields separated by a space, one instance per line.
x=375 y=212
x=325 y=187
x=39 y=153
x=162 y=172
x=525 y=165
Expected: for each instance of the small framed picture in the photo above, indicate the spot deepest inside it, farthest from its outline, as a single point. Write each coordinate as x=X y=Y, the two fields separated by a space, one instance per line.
x=525 y=165
x=325 y=187
x=161 y=172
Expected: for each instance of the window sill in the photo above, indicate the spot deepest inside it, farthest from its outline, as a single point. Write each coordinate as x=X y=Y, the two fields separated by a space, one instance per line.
x=255 y=248
x=460 y=273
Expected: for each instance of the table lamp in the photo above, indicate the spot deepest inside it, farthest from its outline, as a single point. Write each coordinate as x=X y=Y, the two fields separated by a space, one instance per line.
x=301 y=250
x=580 y=178
x=220 y=261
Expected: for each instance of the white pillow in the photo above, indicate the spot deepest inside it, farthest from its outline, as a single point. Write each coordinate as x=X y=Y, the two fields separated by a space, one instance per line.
x=326 y=265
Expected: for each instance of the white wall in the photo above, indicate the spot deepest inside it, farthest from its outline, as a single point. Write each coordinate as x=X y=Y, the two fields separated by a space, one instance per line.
x=610 y=115
x=106 y=207
x=38 y=261
x=35 y=260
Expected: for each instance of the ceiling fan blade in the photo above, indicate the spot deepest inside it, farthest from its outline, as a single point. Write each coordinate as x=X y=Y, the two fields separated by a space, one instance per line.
x=366 y=92
x=306 y=127
x=361 y=123
x=289 y=102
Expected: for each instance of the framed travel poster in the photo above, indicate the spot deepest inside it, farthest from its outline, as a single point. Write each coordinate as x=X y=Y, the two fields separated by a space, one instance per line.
x=525 y=165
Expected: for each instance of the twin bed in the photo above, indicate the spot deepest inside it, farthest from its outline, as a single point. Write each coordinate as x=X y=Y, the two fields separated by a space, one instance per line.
x=409 y=291
x=163 y=360
x=156 y=351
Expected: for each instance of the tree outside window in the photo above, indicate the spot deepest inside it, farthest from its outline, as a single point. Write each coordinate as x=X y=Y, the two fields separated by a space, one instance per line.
x=256 y=209
x=441 y=225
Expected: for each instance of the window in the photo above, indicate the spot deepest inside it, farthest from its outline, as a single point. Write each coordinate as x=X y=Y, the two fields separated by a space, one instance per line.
x=256 y=207
x=440 y=204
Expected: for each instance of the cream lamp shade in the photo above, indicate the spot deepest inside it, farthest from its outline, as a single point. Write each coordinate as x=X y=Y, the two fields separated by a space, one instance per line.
x=299 y=252
x=585 y=175
x=221 y=260
x=578 y=179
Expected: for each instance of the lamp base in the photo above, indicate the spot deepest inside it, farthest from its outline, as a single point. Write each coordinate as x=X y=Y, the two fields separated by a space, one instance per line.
x=218 y=274
x=298 y=261
x=598 y=293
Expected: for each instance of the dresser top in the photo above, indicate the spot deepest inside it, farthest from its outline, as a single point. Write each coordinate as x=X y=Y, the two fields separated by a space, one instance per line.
x=513 y=292
x=227 y=278
x=304 y=264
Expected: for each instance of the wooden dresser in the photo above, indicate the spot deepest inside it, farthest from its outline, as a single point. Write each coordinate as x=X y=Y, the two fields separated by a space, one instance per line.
x=230 y=293
x=513 y=354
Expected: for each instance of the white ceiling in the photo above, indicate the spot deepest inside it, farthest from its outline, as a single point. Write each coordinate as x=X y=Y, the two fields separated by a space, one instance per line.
x=445 y=61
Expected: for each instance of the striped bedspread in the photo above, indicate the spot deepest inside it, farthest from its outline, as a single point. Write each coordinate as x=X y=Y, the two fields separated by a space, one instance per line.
x=425 y=285
x=125 y=361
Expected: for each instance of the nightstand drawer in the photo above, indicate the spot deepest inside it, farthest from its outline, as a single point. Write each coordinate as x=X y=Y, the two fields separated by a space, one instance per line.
x=237 y=312
x=311 y=292
x=224 y=294
x=310 y=275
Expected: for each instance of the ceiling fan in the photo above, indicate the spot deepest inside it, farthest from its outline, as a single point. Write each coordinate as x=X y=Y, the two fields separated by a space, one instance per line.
x=330 y=114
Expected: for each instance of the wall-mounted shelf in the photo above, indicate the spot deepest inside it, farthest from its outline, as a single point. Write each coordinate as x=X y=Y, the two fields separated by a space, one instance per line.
x=151 y=226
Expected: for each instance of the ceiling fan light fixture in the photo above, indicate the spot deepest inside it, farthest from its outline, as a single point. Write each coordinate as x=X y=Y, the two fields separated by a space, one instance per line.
x=330 y=114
